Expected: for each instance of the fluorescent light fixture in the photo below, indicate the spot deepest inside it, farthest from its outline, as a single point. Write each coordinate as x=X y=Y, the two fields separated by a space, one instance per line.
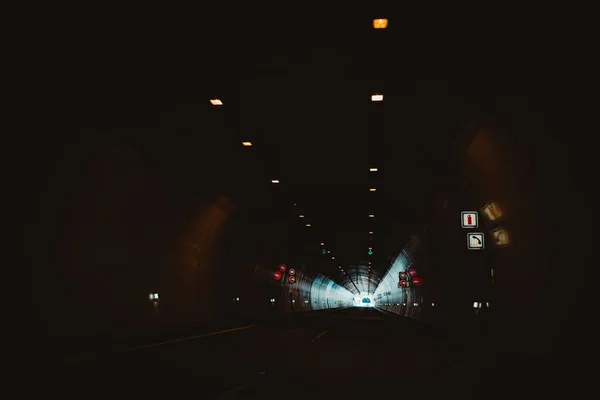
x=274 y=181
x=371 y=215
x=300 y=216
x=377 y=97
x=373 y=169
x=247 y=144
x=372 y=190
x=308 y=224
x=380 y=23
x=216 y=102
x=370 y=233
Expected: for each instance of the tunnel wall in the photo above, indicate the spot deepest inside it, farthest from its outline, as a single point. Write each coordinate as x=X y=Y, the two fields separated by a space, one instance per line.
x=118 y=215
x=309 y=292
x=524 y=165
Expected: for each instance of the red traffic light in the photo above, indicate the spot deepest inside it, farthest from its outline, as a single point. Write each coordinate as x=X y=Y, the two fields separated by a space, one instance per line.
x=282 y=267
x=412 y=272
x=402 y=275
x=417 y=281
x=292 y=271
x=291 y=279
x=277 y=275
x=403 y=283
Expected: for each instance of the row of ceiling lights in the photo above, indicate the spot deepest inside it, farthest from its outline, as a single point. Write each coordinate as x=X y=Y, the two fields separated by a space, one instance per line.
x=378 y=23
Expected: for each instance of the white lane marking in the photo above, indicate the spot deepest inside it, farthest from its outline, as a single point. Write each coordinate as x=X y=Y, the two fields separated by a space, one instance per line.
x=230 y=394
x=189 y=338
x=321 y=334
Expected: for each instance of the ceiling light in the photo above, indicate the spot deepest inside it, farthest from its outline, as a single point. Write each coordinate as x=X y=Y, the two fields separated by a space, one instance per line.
x=247 y=144
x=377 y=97
x=300 y=216
x=370 y=233
x=322 y=244
x=380 y=23
x=216 y=102
x=372 y=190
x=274 y=181
x=308 y=225
x=373 y=169
x=371 y=216
x=333 y=258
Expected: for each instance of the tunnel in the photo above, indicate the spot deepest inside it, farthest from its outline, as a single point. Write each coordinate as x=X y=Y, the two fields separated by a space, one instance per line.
x=308 y=204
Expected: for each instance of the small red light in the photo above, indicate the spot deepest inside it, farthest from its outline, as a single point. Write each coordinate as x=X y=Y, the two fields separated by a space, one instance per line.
x=291 y=279
x=412 y=272
x=277 y=275
x=417 y=281
x=282 y=267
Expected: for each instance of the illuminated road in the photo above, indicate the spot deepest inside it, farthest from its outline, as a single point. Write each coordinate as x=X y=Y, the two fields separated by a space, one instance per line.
x=352 y=352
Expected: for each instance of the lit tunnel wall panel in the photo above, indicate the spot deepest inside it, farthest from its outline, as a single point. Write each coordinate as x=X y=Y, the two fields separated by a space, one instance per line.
x=309 y=292
x=389 y=296
x=325 y=293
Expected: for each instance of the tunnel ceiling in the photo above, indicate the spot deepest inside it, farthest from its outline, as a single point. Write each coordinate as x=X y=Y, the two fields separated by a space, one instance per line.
x=304 y=103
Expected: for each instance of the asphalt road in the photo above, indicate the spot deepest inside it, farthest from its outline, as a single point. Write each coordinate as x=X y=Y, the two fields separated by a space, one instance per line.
x=354 y=353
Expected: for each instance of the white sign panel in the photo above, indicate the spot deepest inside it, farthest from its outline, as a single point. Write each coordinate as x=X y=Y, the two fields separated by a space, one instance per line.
x=475 y=241
x=469 y=219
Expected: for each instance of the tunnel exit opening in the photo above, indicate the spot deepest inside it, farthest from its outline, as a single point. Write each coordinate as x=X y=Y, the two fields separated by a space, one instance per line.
x=364 y=300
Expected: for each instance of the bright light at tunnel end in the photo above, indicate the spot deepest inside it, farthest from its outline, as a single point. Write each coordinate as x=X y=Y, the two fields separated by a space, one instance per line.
x=364 y=300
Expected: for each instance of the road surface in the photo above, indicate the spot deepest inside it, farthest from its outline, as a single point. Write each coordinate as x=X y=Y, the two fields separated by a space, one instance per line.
x=354 y=352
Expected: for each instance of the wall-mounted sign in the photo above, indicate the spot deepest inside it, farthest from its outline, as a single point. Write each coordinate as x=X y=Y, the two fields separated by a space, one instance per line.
x=469 y=219
x=500 y=237
x=475 y=241
x=492 y=211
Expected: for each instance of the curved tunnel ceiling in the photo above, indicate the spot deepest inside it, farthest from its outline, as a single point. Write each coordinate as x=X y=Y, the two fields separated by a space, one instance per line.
x=359 y=278
x=138 y=189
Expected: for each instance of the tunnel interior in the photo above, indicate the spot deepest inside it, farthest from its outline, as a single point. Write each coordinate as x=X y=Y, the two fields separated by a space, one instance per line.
x=328 y=174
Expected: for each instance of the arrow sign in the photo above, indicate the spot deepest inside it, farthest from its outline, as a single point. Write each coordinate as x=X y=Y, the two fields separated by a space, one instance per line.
x=323 y=251
x=370 y=252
